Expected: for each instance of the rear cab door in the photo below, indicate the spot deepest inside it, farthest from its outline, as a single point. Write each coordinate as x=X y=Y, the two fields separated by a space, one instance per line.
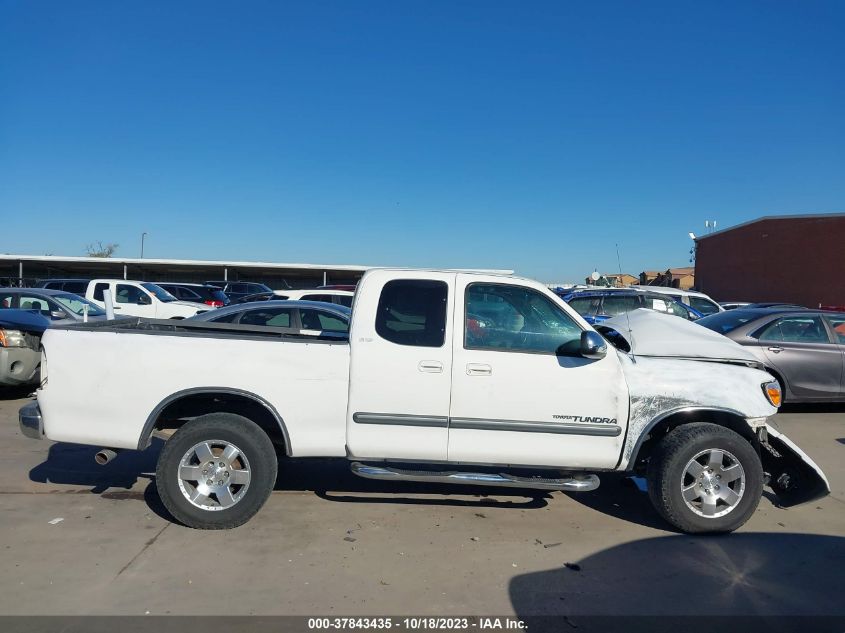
x=401 y=365
x=521 y=392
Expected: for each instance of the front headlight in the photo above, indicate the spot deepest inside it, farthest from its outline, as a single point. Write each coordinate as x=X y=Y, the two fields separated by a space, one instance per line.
x=11 y=338
x=773 y=392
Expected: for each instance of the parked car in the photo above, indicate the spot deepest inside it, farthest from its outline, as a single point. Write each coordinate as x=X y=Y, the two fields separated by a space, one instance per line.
x=56 y=305
x=312 y=316
x=697 y=300
x=141 y=299
x=347 y=287
x=196 y=293
x=803 y=349
x=780 y=306
x=733 y=305
x=20 y=346
x=599 y=305
x=238 y=289
x=338 y=297
x=76 y=286
x=413 y=385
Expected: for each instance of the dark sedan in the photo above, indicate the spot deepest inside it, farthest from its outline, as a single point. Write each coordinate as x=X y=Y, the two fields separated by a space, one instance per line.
x=803 y=349
x=198 y=293
x=326 y=318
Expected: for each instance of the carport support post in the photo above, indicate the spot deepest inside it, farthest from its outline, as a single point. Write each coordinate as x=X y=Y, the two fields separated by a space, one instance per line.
x=20 y=273
x=325 y=278
x=124 y=272
x=225 y=274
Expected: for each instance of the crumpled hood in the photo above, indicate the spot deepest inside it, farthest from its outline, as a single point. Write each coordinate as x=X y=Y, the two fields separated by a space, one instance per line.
x=651 y=333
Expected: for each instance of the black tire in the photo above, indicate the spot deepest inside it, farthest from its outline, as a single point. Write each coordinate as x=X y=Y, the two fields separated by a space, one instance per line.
x=253 y=444
x=667 y=474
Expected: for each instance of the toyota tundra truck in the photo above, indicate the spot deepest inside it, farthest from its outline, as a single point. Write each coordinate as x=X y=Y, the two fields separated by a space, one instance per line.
x=446 y=376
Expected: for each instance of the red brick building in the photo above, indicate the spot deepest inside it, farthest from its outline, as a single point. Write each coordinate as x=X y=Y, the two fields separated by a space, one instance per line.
x=797 y=259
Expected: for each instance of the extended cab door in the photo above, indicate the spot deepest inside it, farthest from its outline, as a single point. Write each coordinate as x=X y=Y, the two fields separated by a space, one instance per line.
x=401 y=365
x=521 y=392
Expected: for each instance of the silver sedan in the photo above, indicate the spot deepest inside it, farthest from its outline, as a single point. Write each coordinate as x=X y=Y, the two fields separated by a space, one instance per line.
x=803 y=349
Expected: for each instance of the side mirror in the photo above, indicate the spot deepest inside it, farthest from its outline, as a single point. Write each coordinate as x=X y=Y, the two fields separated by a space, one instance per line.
x=144 y=300
x=593 y=345
x=57 y=314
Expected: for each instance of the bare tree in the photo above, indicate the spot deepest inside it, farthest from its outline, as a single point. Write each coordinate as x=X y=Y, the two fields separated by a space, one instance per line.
x=100 y=250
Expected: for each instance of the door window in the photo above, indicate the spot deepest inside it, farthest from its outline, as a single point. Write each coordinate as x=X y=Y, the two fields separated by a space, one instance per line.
x=7 y=300
x=614 y=304
x=129 y=294
x=796 y=329
x=76 y=287
x=838 y=324
x=704 y=306
x=513 y=318
x=319 y=320
x=36 y=304
x=273 y=317
x=98 y=291
x=585 y=306
x=413 y=312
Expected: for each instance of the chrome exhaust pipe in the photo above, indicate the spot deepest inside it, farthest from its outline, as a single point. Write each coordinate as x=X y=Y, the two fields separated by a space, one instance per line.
x=104 y=456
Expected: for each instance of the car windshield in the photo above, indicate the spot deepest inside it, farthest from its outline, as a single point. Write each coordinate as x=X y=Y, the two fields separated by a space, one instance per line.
x=160 y=293
x=75 y=304
x=724 y=322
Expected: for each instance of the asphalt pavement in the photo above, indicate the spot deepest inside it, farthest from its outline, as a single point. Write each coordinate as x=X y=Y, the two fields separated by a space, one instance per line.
x=81 y=539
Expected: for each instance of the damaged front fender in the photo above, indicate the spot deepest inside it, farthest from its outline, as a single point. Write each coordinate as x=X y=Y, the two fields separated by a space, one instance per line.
x=793 y=476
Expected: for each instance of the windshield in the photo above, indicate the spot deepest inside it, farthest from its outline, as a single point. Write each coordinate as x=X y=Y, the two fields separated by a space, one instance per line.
x=160 y=293
x=724 y=322
x=75 y=303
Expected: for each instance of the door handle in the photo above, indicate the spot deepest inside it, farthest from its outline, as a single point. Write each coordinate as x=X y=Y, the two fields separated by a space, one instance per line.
x=479 y=369
x=776 y=349
x=430 y=366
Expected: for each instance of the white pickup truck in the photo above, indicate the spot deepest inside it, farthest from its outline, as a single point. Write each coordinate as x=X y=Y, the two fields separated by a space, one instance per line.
x=446 y=376
x=141 y=299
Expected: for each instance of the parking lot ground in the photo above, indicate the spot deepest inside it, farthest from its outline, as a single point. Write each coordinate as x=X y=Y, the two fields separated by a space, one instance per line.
x=83 y=539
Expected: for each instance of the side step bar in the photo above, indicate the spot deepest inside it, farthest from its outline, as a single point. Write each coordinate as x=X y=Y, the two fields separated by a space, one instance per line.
x=575 y=483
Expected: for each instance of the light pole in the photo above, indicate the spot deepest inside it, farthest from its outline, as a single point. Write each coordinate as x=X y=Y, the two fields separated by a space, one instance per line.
x=143 y=235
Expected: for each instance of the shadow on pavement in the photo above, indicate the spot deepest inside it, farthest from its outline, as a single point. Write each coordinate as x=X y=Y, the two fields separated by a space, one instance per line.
x=329 y=479
x=712 y=577
x=16 y=393
x=619 y=497
x=814 y=407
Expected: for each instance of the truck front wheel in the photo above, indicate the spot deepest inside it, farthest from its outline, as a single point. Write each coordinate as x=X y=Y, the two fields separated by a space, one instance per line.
x=705 y=478
x=216 y=471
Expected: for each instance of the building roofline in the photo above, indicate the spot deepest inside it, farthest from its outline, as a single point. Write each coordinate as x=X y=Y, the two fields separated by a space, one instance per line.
x=223 y=264
x=182 y=262
x=806 y=216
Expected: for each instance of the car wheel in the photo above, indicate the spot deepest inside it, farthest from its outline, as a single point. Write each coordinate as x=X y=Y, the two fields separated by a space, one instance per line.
x=216 y=471
x=705 y=478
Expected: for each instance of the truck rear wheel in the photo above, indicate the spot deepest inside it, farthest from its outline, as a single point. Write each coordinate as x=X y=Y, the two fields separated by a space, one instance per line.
x=705 y=478
x=216 y=471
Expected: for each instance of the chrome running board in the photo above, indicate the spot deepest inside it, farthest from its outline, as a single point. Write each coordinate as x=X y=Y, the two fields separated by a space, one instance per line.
x=574 y=483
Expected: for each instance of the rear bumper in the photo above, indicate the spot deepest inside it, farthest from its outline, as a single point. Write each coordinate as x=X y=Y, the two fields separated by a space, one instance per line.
x=31 y=422
x=18 y=365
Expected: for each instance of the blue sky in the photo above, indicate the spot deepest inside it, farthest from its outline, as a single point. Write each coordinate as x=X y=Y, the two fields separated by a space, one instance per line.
x=532 y=136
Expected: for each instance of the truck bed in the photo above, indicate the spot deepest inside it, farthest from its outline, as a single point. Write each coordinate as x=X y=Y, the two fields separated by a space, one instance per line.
x=105 y=379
